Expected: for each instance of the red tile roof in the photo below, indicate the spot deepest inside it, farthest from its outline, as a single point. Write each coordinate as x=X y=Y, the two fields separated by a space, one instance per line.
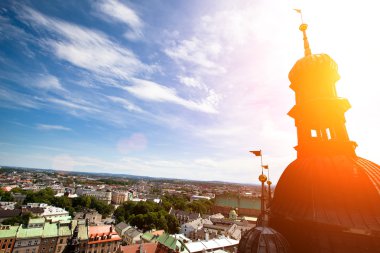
x=135 y=248
x=100 y=234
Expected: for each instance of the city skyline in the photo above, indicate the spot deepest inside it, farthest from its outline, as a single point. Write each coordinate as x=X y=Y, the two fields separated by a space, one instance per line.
x=176 y=90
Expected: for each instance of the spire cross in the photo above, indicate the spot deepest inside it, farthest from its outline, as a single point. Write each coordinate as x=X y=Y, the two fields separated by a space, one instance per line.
x=303 y=28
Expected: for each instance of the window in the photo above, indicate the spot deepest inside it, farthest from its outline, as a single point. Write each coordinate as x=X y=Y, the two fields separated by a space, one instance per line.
x=328 y=133
x=314 y=133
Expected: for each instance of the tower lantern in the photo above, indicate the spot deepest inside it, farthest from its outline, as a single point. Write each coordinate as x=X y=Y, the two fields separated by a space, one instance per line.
x=318 y=112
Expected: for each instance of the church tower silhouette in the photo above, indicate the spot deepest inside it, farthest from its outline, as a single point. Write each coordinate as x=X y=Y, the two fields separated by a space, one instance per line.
x=328 y=199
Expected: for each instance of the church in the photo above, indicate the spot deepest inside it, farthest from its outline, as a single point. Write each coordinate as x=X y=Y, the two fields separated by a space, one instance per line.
x=328 y=199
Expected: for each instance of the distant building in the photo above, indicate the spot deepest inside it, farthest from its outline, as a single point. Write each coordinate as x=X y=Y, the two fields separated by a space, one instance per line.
x=69 y=195
x=121 y=227
x=120 y=197
x=44 y=210
x=9 y=213
x=183 y=216
x=249 y=206
x=7 y=205
x=18 y=197
x=189 y=227
x=226 y=244
x=132 y=236
x=92 y=216
x=197 y=197
x=105 y=196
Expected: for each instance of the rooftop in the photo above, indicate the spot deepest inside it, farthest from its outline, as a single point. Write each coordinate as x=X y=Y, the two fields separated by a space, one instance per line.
x=29 y=232
x=8 y=231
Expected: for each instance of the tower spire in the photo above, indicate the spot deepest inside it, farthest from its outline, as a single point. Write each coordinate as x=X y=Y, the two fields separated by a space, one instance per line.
x=303 y=28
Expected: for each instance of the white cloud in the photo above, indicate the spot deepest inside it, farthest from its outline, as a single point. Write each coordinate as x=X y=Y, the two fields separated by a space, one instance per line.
x=126 y=104
x=88 y=49
x=197 y=52
x=48 y=82
x=151 y=91
x=191 y=82
x=52 y=127
x=16 y=99
x=120 y=12
x=72 y=105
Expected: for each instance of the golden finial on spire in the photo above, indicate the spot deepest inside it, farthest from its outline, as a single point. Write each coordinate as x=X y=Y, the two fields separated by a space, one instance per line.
x=303 y=28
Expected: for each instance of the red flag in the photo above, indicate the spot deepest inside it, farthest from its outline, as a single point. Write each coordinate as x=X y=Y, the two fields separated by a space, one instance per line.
x=265 y=166
x=256 y=153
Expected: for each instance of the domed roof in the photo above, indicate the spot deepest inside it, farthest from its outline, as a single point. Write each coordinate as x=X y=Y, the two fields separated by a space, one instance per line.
x=263 y=240
x=314 y=67
x=339 y=191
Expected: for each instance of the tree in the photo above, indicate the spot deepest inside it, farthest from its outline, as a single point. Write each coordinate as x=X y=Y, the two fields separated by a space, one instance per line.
x=5 y=196
x=172 y=223
x=146 y=216
x=42 y=196
x=23 y=219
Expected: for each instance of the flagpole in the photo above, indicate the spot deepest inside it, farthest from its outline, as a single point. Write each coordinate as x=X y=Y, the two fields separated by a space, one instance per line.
x=261 y=159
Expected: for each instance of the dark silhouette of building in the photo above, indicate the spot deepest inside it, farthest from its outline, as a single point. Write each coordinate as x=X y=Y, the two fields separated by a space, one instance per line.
x=328 y=199
x=73 y=243
x=262 y=238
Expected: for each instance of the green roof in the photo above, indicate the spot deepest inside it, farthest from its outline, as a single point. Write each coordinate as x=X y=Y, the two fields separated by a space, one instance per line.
x=64 y=230
x=36 y=220
x=8 y=231
x=29 y=232
x=167 y=240
x=50 y=230
x=61 y=218
x=148 y=237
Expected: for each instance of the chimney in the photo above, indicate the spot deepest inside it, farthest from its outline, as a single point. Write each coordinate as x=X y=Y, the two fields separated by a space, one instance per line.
x=207 y=236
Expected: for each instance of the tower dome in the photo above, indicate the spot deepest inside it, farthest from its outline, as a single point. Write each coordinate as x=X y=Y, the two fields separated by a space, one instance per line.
x=233 y=214
x=328 y=199
x=263 y=240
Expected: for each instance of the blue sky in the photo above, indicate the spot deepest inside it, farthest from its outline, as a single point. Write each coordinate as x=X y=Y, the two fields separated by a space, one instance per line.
x=179 y=89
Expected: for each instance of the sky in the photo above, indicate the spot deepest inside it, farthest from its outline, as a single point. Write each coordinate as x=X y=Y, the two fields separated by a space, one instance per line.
x=175 y=89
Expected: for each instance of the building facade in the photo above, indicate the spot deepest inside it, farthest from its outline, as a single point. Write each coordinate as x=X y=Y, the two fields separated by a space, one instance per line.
x=7 y=238
x=102 y=239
